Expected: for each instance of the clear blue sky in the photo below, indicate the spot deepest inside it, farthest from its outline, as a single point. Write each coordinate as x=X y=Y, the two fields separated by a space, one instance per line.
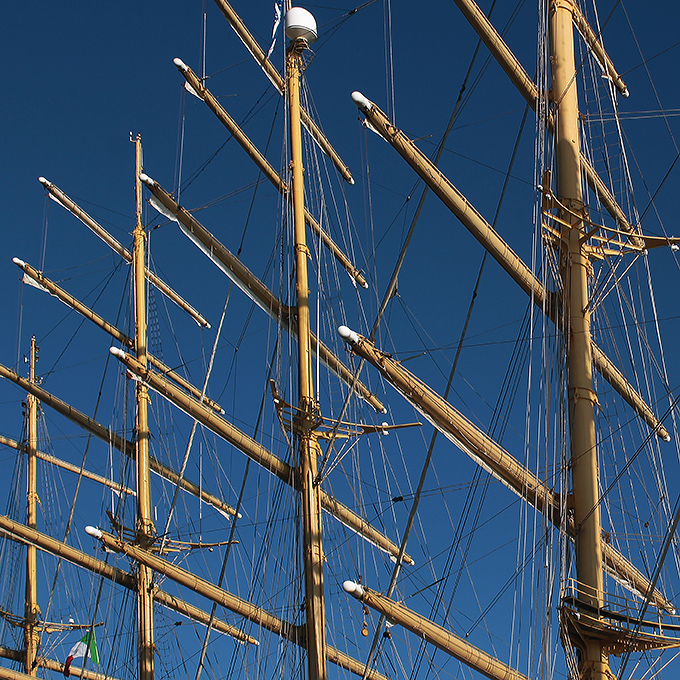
x=78 y=77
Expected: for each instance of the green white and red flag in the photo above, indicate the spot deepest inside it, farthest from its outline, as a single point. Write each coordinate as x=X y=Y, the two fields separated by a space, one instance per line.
x=86 y=646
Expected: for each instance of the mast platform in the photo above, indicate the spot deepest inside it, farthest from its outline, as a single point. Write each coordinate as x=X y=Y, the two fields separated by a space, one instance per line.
x=616 y=624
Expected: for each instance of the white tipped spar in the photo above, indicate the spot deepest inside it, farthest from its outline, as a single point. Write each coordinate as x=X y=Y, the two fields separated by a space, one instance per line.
x=184 y=70
x=145 y=179
x=117 y=352
x=362 y=102
x=353 y=588
x=95 y=532
x=44 y=182
x=348 y=335
x=18 y=262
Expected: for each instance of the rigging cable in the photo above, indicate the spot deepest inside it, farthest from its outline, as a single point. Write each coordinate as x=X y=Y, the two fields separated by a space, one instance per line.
x=389 y=58
x=623 y=470
x=506 y=396
x=181 y=127
x=670 y=535
x=82 y=465
x=391 y=290
x=194 y=425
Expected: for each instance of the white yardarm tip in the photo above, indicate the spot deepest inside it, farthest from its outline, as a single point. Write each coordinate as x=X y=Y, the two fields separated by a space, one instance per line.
x=347 y=334
x=353 y=589
x=361 y=101
x=179 y=64
x=117 y=352
x=44 y=182
x=18 y=262
x=145 y=179
x=625 y=92
x=667 y=438
x=93 y=531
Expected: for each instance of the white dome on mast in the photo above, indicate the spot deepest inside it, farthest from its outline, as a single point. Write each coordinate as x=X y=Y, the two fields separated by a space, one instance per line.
x=300 y=24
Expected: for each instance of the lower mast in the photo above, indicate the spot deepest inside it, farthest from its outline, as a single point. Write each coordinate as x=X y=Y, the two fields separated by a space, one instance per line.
x=593 y=659
x=32 y=610
x=308 y=442
x=145 y=528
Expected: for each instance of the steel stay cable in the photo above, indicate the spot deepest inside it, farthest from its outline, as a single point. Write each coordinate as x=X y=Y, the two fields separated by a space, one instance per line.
x=80 y=476
x=670 y=534
x=194 y=425
x=212 y=357
x=638 y=451
x=650 y=203
x=391 y=289
x=426 y=465
x=233 y=526
x=463 y=98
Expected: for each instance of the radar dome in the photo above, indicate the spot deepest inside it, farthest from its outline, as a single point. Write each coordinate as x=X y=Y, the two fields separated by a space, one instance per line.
x=300 y=24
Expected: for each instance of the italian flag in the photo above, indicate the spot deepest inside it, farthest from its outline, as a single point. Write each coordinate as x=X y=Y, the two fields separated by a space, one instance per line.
x=87 y=646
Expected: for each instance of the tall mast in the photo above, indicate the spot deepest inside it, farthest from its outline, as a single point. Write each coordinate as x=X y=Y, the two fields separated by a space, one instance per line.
x=575 y=269
x=301 y=29
x=145 y=528
x=31 y=634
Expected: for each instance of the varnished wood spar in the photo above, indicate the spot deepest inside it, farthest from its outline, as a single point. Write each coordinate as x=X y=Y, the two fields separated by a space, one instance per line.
x=593 y=660
x=252 y=286
x=42 y=662
x=78 y=212
x=430 y=632
x=277 y=80
x=216 y=424
x=31 y=608
x=492 y=457
x=527 y=88
x=204 y=94
x=308 y=444
x=498 y=249
x=65 y=465
x=51 y=287
x=247 y=610
x=20 y=532
x=110 y=437
x=145 y=528
x=255 y=451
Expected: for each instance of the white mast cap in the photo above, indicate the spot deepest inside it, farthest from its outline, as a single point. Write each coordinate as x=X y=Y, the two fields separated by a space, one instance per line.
x=300 y=24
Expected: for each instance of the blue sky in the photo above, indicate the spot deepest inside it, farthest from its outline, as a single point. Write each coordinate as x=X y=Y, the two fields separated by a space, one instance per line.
x=79 y=78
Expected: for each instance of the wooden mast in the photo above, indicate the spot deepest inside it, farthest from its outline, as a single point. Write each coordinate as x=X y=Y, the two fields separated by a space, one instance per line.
x=145 y=528
x=309 y=449
x=31 y=633
x=593 y=661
